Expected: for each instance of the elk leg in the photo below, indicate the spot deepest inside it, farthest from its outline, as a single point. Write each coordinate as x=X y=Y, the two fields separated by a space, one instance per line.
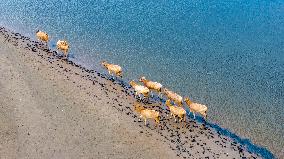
x=181 y=118
x=157 y=121
x=160 y=95
x=65 y=54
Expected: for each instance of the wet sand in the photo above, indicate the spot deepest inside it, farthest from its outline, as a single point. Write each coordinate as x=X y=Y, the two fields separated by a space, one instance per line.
x=54 y=108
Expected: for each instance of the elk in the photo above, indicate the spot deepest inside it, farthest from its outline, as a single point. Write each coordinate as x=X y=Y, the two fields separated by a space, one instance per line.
x=196 y=108
x=139 y=89
x=177 y=99
x=176 y=111
x=148 y=114
x=112 y=69
x=63 y=46
x=151 y=85
x=42 y=36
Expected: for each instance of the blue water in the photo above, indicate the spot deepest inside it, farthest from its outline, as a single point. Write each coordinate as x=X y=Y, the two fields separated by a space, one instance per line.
x=228 y=55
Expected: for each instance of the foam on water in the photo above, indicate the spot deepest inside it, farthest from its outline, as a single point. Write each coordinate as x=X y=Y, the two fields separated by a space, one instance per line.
x=227 y=55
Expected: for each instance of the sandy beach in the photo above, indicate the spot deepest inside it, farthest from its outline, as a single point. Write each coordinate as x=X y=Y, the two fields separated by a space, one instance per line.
x=53 y=108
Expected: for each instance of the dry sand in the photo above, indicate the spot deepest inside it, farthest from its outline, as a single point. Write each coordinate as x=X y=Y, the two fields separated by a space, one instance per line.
x=52 y=108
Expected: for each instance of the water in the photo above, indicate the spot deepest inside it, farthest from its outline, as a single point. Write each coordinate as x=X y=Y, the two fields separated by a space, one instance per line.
x=227 y=55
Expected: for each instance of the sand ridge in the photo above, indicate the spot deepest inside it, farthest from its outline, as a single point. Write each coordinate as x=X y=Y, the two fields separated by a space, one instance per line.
x=63 y=110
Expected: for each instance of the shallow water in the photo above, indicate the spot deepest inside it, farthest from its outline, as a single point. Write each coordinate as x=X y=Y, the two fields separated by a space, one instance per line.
x=227 y=55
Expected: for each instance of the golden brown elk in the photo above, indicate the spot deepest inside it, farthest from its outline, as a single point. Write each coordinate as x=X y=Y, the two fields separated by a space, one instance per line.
x=196 y=108
x=177 y=99
x=151 y=85
x=139 y=89
x=148 y=114
x=176 y=111
x=112 y=68
x=42 y=36
x=63 y=46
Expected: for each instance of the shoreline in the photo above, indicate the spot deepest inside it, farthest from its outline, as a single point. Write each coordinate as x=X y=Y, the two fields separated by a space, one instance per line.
x=193 y=140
